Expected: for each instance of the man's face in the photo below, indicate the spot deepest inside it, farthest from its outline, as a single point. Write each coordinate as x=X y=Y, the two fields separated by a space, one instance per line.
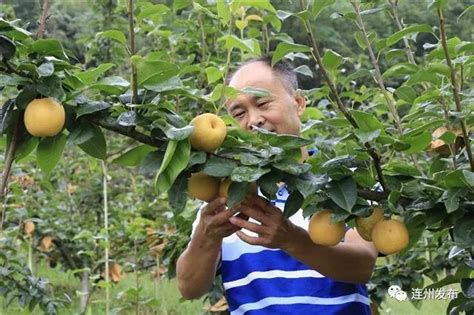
x=279 y=112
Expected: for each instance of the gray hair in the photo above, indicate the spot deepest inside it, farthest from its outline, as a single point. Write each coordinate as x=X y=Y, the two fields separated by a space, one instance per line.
x=284 y=70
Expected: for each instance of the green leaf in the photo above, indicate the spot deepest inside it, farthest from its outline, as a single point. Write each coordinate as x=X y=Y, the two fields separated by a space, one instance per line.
x=213 y=74
x=367 y=136
x=49 y=47
x=181 y=4
x=90 y=76
x=304 y=70
x=178 y=134
x=199 y=8
x=343 y=193
x=359 y=37
x=150 y=11
x=223 y=11
x=245 y=45
x=292 y=167
x=219 y=167
x=151 y=163
x=310 y=183
x=170 y=149
x=135 y=156
x=332 y=60
x=319 y=5
x=248 y=173
x=91 y=107
x=25 y=147
x=293 y=204
x=49 y=152
x=115 y=35
x=451 y=198
x=468 y=177
x=7 y=48
x=178 y=194
x=257 y=92
x=51 y=86
x=406 y=93
x=260 y=4
x=463 y=232
x=81 y=133
x=237 y=193
x=111 y=85
x=437 y=4
x=180 y=153
x=366 y=121
x=459 y=179
x=466 y=10
x=467 y=287
x=395 y=168
x=152 y=72
x=95 y=146
x=28 y=94
x=46 y=69
x=418 y=28
x=400 y=70
x=285 y=48
x=417 y=142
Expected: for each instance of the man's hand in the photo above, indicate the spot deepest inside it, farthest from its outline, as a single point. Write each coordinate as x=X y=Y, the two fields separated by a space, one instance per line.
x=215 y=220
x=273 y=229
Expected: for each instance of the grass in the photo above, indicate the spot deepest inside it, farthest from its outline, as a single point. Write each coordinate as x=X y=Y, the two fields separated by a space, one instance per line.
x=123 y=298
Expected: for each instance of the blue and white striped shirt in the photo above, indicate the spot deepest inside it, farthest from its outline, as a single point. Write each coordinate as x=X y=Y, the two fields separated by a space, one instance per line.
x=263 y=281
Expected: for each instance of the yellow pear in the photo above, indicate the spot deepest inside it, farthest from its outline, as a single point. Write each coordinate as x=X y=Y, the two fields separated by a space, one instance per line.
x=209 y=132
x=203 y=187
x=364 y=225
x=44 y=117
x=390 y=236
x=324 y=232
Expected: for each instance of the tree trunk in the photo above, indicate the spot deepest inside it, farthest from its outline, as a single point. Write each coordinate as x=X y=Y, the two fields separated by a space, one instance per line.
x=84 y=291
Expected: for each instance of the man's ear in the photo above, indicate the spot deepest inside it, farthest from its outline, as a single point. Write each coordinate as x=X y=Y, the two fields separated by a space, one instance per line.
x=300 y=103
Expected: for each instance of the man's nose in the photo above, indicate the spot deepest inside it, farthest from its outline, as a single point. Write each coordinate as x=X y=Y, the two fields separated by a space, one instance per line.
x=256 y=120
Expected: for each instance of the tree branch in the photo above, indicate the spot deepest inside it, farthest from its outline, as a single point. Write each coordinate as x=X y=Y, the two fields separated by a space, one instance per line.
x=394 y=6
x=126 y=131
x=455 y=87
x=317 y=57
x=42 y=22
x=131 y=32
x=378 y=74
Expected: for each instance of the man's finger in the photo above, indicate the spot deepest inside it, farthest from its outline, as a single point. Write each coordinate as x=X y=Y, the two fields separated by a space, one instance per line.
x=262 y=203
x=249 y=239
x=244 y=224
x=221 y=217
x=254 y=213
x=214 y=206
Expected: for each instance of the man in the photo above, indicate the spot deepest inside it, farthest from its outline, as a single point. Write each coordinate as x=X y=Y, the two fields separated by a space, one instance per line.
x=268 y=264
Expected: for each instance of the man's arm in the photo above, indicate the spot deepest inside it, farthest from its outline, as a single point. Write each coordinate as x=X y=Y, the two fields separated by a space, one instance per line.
x=196 y=267
x=350 y=261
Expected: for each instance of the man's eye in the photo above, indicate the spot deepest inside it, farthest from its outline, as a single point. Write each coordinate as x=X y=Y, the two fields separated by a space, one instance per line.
x=239 y=114
x=262 y=103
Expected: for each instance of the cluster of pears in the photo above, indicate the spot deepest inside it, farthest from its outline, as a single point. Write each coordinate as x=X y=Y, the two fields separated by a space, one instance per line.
x=207 y=188
x=44 y=117
x=389 y=236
